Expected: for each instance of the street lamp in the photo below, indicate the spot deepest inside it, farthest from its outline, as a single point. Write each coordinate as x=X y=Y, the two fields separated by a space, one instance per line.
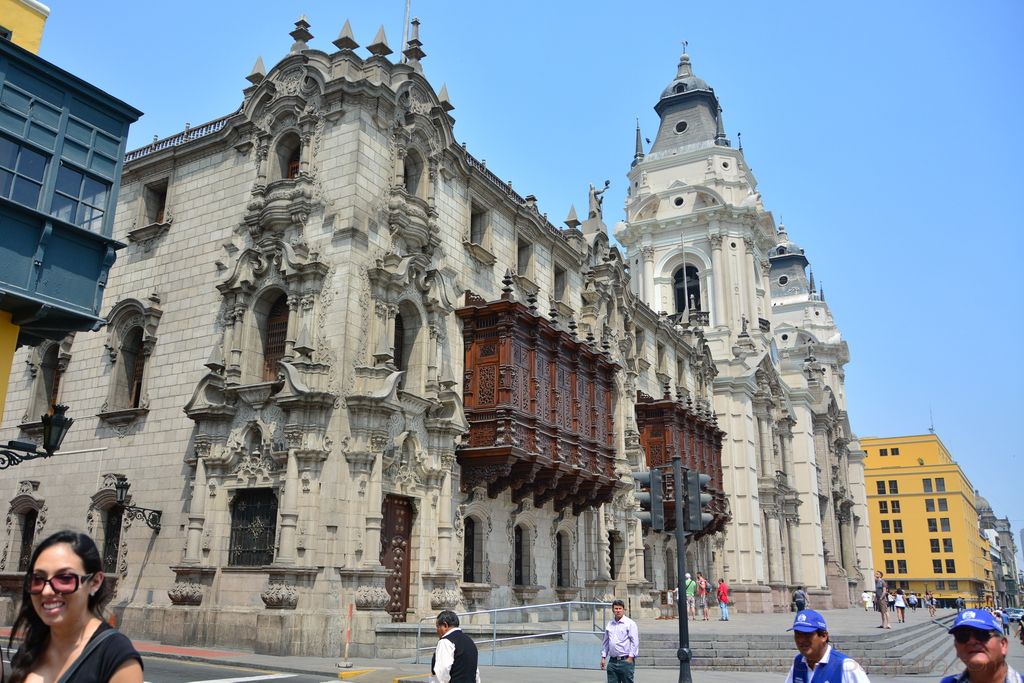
x=55 y=428
x=150 y=517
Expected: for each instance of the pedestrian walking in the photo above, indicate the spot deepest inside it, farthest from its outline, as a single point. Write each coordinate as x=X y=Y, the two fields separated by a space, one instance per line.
x=912 y=602
x=691 y=597
x=929 y=602
x=621 y=645
x=890 y=598
x=817 y=660
x=800 y=599
x=868 y=599
x=60 y=622
x=702 y=596
x=981 y=645
x=722 y=592
x=900 y=601
x=881 y=603
x=455 y=656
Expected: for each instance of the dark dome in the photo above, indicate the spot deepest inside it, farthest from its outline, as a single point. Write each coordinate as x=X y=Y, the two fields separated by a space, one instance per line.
x=685 y=81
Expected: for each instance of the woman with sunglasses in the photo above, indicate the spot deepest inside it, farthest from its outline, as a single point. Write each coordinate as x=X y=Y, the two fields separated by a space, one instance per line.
x=60 y=622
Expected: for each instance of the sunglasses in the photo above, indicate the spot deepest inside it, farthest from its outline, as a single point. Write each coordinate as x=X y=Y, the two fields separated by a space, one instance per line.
x=62 y=584
x=963 y=636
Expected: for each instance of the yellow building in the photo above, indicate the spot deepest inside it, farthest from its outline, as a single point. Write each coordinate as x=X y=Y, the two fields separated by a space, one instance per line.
x=924 y=524
x=22 y=21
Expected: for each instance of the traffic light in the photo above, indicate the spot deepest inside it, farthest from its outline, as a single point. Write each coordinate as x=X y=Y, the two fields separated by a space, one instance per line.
x=697 y=501
x=651 y=497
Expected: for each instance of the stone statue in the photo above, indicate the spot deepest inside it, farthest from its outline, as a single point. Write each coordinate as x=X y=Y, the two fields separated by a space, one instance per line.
x=595 y=200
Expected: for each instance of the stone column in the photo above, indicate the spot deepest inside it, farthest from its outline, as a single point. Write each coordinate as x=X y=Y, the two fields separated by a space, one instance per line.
x=846 y=542
x=786 y=446
x=750 y=281
x=292 y=331
x=374 y=504
x=649 y=295
x=382 y=343
x=764 y=441
x=196 y=514
x=603 y=549
x=444 y=515
x=775 y=574
x=721 y=314
x=289 y=511
x=793 y=541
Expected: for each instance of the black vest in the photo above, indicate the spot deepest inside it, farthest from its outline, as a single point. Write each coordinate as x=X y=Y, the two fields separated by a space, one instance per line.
x=464 y=667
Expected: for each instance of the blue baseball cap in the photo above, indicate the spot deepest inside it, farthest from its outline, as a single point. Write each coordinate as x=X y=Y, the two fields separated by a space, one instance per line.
x=808 y=621
x=977 y=618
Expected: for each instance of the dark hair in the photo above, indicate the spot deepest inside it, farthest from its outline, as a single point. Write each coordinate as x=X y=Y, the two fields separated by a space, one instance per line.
x=618 y=603
x=35 y=634
x=448 y=618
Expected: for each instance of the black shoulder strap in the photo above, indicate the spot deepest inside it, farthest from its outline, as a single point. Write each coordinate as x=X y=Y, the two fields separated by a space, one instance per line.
x=89 y=649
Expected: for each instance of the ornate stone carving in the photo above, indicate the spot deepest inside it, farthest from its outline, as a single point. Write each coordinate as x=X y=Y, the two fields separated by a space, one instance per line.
x=280 y=596
x=186 y=593
x=444 y=598
x=371 y=598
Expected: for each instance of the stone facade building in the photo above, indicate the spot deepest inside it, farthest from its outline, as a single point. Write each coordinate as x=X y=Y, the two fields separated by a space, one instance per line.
x=350 y=366
x=1004 y=565
x=702 y=247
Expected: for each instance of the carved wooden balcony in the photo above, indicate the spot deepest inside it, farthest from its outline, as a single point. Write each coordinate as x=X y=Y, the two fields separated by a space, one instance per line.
x=668 y=427
x=539 y=404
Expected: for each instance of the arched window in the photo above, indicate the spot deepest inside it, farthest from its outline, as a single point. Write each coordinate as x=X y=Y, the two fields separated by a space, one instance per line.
x=413 y=173
x=401 y=361
x=288 y=153
x=274 y=334
x=562 y=559
x=521 y=556
x=28 y=535
x=472 y=551
x=253 y=528
x=687 y=289
x=134 y=366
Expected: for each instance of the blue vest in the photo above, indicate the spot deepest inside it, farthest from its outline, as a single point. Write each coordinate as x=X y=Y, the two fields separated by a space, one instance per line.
x=830 y=672
x=957 y=678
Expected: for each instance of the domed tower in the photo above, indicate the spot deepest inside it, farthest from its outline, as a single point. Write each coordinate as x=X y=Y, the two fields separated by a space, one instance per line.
x=690 y=113
x=788 y=274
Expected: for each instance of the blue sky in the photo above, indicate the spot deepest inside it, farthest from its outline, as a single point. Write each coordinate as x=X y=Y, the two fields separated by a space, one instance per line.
x=888 y=136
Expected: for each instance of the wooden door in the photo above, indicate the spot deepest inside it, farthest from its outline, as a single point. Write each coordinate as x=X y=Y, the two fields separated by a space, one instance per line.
x=395 y=539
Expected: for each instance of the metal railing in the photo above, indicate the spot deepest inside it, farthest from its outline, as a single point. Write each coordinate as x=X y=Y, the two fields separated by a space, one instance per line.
x=568 y=631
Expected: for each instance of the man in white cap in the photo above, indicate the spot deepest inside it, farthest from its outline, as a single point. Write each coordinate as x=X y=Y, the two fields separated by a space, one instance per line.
x=691 y=597
x=817 y=661
x=981 y=645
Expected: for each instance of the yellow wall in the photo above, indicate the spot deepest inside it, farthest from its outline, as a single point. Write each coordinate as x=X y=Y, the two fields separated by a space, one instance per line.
x=25 y=20
x=8 y=343
x=923 y=458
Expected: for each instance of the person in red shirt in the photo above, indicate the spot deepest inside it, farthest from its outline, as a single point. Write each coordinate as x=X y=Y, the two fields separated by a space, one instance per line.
x=723 y=599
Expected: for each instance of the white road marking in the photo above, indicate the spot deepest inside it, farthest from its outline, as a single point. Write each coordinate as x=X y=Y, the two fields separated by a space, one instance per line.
x=246 y=679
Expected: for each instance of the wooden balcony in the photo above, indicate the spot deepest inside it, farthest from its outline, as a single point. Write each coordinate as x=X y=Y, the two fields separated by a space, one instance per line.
x=668 y=427
x=539 y=404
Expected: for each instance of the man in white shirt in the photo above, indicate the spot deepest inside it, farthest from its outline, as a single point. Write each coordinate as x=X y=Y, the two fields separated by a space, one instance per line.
x=455 y=657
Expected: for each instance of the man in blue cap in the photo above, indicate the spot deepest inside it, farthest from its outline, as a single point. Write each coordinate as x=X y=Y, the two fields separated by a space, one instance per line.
x=981 y=645
x=817 y=661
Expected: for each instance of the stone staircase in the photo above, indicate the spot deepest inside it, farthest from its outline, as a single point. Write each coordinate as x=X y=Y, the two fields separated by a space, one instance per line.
x=920 y=649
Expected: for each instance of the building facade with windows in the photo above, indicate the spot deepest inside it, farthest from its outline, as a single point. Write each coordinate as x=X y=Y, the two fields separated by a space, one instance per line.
x=925 y=531
x=351 y=366
x=62 y=144
x=1004 y=564
x=22 y=23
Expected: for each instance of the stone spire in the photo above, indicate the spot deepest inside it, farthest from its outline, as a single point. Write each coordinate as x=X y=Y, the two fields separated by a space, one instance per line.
x=345 y=39
x=301 y=35
x=379 y=46
x=413 y=49
x=720 y=138
x=259 y=72
x=572 y=221
x=443 y=98
x=639 y=154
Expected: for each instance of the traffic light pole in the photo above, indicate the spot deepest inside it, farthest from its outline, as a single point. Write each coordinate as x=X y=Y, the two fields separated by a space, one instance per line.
x=679 y=486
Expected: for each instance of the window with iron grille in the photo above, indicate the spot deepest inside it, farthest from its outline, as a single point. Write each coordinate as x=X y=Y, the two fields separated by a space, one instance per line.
x=111 y=538
x=28 y=535
x=518 y=552
x=253 y=528
x=135 y=364
x=562 y=560
x=277 y=332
